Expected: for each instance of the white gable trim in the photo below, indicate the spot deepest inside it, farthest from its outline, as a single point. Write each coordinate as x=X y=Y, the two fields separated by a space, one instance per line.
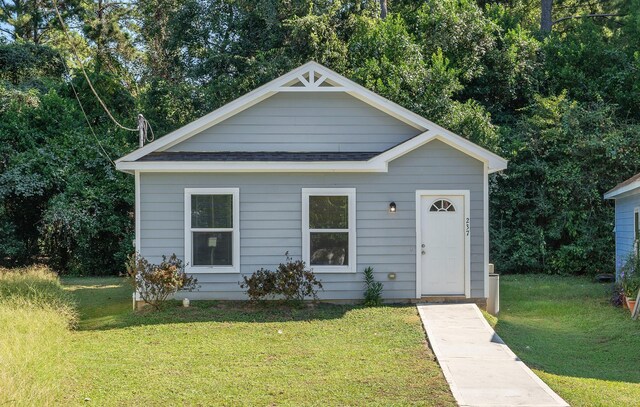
x=305 y=76
x=379 y=163
x=623 y=191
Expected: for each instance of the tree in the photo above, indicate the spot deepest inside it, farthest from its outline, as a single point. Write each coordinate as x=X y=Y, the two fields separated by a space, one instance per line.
x=383 y=9
x=546 y=12
x=28 y=20
x=548 y=212
x=557 y=95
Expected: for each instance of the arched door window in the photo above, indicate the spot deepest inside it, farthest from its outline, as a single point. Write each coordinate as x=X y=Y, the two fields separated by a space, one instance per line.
x=442 y=205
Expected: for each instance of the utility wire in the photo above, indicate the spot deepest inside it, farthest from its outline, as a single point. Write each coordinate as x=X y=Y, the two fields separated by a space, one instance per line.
x=148 y=126
x=85 y=113
x=73 y=48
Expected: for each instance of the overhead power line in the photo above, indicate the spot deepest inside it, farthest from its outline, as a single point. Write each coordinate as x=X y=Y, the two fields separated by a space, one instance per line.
x=143 y=124
x=84 y=72
x=85 y=113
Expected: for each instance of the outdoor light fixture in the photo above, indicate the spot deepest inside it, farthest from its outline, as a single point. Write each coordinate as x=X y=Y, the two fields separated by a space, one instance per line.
x=392 y=207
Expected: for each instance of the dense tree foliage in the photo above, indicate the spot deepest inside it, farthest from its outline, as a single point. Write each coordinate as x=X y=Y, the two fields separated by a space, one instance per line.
x=561 y=103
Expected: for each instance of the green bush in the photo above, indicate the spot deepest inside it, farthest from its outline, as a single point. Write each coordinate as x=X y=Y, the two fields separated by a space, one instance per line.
x=630 y=276
x=156 y=282
x=373 y=289
x=291 y=281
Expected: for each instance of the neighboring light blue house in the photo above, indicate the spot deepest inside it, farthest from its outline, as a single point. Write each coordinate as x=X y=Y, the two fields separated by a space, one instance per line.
x=315 y=165
x=627 y=229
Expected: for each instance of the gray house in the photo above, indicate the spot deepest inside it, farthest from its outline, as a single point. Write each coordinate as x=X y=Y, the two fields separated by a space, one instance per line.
x=315 y=165
x=627 y=229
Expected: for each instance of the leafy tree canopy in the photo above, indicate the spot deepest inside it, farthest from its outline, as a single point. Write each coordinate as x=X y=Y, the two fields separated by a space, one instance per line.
x=561 y=103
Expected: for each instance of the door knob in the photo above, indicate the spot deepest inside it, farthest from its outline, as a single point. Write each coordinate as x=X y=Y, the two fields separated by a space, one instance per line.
x=423 y=252
x=423 y=246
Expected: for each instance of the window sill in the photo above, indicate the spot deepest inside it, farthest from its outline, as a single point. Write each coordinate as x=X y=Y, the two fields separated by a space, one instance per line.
x=332 y=270
x=211 y=270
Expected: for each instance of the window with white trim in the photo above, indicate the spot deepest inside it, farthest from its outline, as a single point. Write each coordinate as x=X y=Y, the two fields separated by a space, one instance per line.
x=212 y=233
x=328 y=229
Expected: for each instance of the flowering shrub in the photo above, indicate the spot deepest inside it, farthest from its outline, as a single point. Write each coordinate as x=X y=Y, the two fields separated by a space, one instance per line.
x=291 y=281
x=630 y=276
x=156 y=282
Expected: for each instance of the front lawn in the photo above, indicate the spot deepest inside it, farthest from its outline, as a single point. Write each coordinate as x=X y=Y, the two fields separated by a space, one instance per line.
x=231 y=354
x=565 y=329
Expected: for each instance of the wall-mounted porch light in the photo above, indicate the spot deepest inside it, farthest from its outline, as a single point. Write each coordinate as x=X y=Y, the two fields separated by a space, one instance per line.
x=392 y=207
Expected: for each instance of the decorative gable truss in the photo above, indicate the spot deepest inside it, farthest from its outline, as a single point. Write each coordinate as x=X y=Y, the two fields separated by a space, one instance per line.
x=310 y=77
x=311 y=80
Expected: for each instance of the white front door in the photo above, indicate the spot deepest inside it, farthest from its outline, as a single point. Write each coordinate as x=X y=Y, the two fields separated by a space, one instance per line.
x=442 y=246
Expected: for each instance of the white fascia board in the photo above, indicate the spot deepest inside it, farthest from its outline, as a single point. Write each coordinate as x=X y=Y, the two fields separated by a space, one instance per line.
x=622 y=192
x=494 y=162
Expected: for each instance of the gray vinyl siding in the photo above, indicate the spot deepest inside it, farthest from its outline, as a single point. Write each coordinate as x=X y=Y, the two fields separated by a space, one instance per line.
x=303 y=122
x=271 y=211
x=624 y=227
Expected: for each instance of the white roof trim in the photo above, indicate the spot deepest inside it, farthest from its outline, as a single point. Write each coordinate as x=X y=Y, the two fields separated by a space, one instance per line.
x=378 y=163
x=625 y=190
x=337 y=83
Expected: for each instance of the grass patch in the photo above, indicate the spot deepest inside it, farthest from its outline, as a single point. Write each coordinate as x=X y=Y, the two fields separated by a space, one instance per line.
x=35 y=317
x=232 y=354
x=565 y=329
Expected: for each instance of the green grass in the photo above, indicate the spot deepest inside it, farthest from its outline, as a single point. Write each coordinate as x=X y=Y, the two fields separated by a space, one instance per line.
x=35 y=317
x=233 y=354
x=565 y=329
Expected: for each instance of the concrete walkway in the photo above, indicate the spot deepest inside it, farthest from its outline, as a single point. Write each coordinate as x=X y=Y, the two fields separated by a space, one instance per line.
x=479 y=367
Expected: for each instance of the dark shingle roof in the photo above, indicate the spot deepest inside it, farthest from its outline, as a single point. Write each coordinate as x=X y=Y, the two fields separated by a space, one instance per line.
x=258 y=156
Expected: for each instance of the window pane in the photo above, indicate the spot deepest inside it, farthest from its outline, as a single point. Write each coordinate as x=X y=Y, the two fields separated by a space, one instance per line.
x=330 y=249
x=211 y=211
x=328 y=212
x=212 y=248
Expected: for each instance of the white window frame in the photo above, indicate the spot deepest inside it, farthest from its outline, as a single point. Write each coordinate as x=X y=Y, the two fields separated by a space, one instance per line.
x=188 y=250
x=350 y=193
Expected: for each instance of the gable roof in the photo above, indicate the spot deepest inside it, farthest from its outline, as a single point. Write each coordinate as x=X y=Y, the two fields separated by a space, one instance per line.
x=310 y=77
x=624 y=187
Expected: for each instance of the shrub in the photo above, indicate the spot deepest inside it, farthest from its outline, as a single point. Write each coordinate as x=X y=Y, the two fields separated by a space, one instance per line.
x=291 y=281
x=373 y=289
x=156 y=282
x=260 y=285
x=630 y=276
